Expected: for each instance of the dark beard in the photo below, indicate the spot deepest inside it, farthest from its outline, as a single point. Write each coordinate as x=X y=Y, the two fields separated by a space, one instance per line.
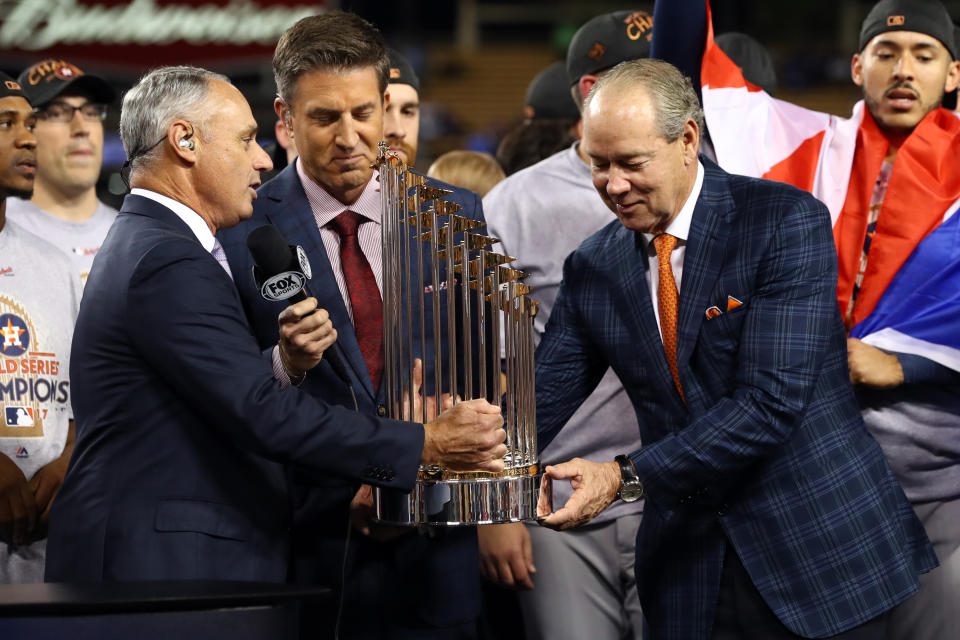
x=890 y=130
x=409 y=150
x=10 y=192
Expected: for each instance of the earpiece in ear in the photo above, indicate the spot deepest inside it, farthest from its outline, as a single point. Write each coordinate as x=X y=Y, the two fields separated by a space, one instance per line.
x=183 y=143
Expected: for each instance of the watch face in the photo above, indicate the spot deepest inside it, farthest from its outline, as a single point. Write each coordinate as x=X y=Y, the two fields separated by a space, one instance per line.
x=631 y=492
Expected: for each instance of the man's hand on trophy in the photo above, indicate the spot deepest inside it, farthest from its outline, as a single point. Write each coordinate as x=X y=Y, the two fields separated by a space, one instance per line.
x=304 y=336
x=419 y=401
x=467 y=437
x=506 y=556
x=595 y=486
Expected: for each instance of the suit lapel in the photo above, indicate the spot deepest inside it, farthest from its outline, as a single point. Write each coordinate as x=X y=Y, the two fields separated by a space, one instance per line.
x=294 y=217
x=703 y=259
x=142 y=206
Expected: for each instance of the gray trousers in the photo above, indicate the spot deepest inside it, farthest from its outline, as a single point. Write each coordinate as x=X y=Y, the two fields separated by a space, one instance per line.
x=584 y=586
x=933 y=613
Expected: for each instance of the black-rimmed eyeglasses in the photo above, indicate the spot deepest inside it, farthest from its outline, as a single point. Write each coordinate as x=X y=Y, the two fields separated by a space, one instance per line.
x=63 y=112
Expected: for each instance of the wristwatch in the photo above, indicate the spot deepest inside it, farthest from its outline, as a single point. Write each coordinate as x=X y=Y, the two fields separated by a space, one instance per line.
x=631 y=489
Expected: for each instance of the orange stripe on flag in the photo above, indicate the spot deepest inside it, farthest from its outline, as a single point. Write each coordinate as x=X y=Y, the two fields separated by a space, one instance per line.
x=923 y=184
x=800 y=167
x=718 y=70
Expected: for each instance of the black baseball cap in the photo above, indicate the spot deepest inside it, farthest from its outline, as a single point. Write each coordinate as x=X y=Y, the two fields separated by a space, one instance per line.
x=47 y=79
x=548 y=95
x=10 y=88
x=950 y=99
x=752 y=58
x=400 y=70
x=607 y=40
x=929 y=17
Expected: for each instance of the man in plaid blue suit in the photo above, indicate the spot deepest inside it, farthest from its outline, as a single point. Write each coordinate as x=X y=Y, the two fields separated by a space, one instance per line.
x=771 y=512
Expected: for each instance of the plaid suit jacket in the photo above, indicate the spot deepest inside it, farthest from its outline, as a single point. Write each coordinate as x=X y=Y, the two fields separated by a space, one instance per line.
x=769 y=453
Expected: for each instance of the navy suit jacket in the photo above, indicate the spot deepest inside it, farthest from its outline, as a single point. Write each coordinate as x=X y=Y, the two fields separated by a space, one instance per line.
x=434 y=577
x=182 y=430
x=768 y=453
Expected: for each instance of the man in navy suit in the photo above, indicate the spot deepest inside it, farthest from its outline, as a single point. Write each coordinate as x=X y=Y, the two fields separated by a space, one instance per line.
x=770 y=512
x=332 y=75
x=183 y=424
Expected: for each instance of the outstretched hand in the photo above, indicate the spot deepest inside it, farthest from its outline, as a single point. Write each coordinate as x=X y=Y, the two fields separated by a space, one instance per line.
x=18 y=507
x=872 y=367
x=362 y=513
x=419 y=401
x=466 y=437
x=506 y=555
x=595 y=486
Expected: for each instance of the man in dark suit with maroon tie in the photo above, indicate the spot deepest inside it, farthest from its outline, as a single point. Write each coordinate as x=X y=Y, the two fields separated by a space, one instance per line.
x=332 y=81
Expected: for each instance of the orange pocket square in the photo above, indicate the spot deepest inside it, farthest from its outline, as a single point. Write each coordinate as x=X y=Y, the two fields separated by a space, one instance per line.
x=733 y=303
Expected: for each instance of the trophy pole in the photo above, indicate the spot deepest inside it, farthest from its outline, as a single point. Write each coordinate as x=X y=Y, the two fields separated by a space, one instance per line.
x=420 y=228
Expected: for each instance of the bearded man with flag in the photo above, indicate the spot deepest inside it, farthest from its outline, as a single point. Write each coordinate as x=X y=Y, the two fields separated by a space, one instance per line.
x=890 y=178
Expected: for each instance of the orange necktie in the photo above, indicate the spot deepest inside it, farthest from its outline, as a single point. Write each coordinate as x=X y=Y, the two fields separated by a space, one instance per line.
x=667 y=304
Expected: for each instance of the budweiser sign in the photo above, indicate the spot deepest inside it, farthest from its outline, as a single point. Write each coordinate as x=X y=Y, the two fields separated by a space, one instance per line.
x=35 y=25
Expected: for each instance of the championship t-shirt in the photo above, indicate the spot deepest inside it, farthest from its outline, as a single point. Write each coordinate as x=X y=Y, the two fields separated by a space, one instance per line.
x=79 y=240
x=39 y=299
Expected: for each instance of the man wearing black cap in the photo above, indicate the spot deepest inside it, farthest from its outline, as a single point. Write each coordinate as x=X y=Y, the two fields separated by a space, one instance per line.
x=401 y=121
x=550 y=122
x=541 y=214
x=39 y=296
x=71 y=107
x=890 y=179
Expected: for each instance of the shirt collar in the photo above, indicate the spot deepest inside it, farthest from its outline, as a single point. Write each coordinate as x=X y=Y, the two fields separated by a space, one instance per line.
x=680 y=227
x=326 y=207
x=190 y=217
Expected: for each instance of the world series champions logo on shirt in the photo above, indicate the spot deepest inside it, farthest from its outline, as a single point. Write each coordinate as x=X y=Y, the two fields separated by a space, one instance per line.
x=29 y=377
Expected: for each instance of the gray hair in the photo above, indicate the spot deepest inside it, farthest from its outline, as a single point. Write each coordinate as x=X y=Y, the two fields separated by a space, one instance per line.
x=159 y=98
x=674 y=99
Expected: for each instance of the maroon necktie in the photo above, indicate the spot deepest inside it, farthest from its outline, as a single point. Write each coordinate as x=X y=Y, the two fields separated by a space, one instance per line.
x=364 y=294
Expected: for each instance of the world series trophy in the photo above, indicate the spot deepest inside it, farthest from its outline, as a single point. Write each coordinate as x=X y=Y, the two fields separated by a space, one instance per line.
x=485 y=304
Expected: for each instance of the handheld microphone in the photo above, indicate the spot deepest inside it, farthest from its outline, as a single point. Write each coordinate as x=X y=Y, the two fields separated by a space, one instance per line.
x=281 y=272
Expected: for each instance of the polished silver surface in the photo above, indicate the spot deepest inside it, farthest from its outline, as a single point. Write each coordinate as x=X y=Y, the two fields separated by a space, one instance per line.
x=462 y=502
x=483 y=298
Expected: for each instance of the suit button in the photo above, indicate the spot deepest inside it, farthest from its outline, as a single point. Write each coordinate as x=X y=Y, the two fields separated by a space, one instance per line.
x=381 y=410
x=723 y=510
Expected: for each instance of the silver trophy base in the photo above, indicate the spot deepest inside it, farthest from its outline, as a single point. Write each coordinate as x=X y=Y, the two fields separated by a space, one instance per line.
x=457 y=502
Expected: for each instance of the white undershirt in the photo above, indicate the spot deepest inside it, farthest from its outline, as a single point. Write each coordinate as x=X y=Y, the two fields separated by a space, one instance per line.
x=190 y=217
x=679 y=229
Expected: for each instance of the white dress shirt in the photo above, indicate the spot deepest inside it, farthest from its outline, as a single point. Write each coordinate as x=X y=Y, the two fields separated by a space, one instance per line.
x=679 y=229
x=325 y=208
x=190 y=217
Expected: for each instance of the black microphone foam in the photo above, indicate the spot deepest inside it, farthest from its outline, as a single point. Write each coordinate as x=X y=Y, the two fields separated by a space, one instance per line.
x=273 y=255
x=269 y=250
